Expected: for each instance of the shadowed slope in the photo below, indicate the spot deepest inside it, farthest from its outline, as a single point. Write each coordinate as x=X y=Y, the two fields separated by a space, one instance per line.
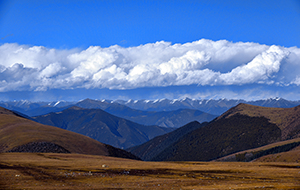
x=222 y=137
x=17 y=132
x=240 y=128
x=287 y=119
x=272 y=152
x=152 y=148
x=102 y=126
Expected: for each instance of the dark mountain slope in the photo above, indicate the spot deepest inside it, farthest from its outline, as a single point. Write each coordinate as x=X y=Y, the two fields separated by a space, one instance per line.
x=102 y=126
x=287 y=119
x=240 y=128
x=18 y=134
x=222 y=137
x=158 y=144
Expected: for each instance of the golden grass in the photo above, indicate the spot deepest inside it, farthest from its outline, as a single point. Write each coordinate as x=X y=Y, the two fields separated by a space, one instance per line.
x=275 y=115
x=16 y=131
x=78 y=171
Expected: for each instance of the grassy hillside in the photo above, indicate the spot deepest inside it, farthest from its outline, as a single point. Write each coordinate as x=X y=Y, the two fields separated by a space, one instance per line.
x=17 y=132
x=222 y=137
x=287 y=119
x=289 y=156
x=287 y=151
x=241 y=128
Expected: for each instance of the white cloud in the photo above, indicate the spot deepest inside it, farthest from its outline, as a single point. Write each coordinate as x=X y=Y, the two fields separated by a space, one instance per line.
x=202 y=62
x=260 y=69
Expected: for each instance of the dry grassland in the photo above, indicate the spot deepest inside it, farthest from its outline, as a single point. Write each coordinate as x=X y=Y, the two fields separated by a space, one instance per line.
x=77 y=171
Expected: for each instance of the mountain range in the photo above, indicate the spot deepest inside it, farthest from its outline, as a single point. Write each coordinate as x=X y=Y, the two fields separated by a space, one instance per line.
x=244 y=132
x=241 y=128
x=211 y=106
x=102 y=126
x=19 y=134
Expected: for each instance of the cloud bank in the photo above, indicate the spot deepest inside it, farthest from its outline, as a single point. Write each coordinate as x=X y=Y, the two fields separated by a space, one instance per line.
x=202 y=62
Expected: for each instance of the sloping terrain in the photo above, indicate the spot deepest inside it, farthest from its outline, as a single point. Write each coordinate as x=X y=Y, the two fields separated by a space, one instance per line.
x=292 y=156
x=18 y=134
x=287 y=151
x=240 y=128
x=287 y=119
x=222 y=137
x=102 y=126
x=152 y=148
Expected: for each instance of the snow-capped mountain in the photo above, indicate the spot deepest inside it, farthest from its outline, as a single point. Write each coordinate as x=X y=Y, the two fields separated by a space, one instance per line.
x=211 y=106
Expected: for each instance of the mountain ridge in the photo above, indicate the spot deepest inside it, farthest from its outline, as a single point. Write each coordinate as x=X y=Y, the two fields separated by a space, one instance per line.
x=211 y=106
x=242 y=127
x=18 y=134
x=102 y=126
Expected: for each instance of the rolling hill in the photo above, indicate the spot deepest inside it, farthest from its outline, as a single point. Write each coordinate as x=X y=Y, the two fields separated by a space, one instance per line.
x=18 y=134
x=240 y=128
x=102 y=126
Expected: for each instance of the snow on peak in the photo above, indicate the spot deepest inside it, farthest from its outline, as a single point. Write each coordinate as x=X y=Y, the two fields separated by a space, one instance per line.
x=56 y=103
x=162 y=99
x=155 y=101
x=129 y=101
x=173 y=101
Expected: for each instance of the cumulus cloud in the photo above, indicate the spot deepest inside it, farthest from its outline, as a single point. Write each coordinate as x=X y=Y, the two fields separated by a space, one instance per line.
x=202 y=62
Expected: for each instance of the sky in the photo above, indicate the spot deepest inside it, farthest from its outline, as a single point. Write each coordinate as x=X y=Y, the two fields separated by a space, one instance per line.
x=140 y=49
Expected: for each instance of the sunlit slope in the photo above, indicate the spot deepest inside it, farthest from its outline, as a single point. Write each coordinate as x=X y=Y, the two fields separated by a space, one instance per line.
x=17 y=131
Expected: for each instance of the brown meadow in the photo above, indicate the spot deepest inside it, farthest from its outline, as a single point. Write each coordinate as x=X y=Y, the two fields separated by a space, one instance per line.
x=78 y=171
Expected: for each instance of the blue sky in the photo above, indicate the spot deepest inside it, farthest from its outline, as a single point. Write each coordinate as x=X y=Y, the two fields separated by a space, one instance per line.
x=51 y=50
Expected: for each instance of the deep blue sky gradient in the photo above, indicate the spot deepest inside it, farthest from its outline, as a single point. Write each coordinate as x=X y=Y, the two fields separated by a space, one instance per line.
x=77 y=23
